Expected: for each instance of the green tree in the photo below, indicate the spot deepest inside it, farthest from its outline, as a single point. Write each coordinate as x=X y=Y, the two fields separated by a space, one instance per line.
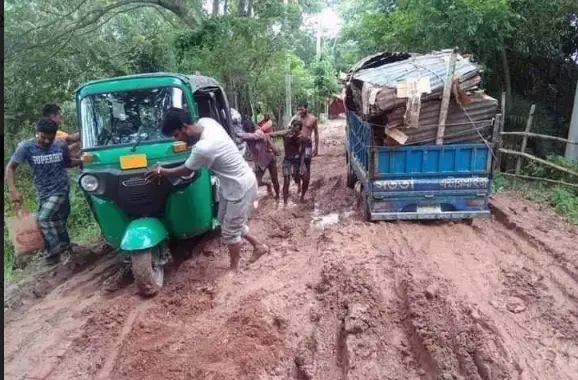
x=325 y=81
x=493 y=30
x=40 y=67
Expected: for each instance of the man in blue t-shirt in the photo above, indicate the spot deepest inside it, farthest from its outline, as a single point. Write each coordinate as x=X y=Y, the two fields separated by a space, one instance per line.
x=48 y=157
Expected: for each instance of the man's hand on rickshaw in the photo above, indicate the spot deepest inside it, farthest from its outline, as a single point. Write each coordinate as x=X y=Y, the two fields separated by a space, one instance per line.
x=315 y=152
x=302 y=170
x=156 y=172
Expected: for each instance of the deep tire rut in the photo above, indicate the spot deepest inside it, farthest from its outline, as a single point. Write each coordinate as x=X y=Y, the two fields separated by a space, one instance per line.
x=111 y=359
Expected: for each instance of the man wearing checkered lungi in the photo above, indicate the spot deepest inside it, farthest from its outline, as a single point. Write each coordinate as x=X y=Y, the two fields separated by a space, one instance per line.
x=48 y=157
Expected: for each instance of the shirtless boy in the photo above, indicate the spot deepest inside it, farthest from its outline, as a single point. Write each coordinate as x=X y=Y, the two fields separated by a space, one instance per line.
x=294 y=160
x=309 y=127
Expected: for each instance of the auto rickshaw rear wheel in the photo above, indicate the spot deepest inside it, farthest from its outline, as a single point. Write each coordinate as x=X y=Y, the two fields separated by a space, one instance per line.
x=148 y=274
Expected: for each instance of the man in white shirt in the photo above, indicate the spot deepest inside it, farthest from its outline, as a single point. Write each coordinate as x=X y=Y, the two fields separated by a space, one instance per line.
x=214 y=149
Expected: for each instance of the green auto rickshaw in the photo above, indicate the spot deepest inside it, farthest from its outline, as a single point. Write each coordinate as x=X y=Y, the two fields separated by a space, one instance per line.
x=120 y=127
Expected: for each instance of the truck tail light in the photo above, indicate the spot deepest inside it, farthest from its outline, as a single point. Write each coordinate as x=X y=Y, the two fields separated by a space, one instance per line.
x=479 y=202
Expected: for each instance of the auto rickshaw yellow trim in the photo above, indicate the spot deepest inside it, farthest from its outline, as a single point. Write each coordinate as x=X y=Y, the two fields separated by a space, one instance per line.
x=133 y=161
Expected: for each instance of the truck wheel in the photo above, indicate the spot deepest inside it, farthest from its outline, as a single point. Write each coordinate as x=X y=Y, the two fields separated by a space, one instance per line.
x=365 y=213
x=148 y=275
x=350 y=178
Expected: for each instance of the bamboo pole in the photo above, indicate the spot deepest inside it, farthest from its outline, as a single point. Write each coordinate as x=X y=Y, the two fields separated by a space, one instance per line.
x=446 y=97
x=503 y=104
x=494 y=153
x=542 y=179
x=543 y=162
x=500 y=142
x=524 y=142
x=537 y=135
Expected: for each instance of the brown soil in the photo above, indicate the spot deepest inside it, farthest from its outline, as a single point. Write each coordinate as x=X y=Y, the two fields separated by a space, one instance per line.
x=337 y=298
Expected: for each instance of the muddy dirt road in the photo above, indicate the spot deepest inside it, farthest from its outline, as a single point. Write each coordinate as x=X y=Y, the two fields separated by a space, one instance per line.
x=336 y=299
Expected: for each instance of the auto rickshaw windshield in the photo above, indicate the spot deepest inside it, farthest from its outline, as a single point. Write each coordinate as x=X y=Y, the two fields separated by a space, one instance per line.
x=128 y=117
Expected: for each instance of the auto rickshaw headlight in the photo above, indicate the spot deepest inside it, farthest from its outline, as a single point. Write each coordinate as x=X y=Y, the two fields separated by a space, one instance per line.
x=89 y=183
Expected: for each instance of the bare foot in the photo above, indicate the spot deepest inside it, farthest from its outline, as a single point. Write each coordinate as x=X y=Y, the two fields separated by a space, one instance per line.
x=234 y=262
x=258 y=252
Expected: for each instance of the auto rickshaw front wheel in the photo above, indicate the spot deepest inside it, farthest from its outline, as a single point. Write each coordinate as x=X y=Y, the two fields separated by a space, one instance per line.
x=148 y=273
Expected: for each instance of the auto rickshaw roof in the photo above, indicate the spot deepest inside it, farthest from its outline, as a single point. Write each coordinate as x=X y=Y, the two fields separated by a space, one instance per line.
x=149 y=80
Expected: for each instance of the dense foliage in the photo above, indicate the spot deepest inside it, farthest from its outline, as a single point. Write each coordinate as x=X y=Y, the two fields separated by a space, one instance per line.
x=53 y=46
x=525 y=46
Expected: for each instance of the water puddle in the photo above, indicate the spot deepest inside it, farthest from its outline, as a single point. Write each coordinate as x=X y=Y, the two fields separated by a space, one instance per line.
x=325 y=220
x=322 y=221
x=290 y=204
x=261 y=193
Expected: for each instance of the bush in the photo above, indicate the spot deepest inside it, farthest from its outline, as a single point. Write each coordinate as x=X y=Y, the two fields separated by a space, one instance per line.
x=500 y=183
x=563 y=199
x=565 y=202
x=536 y=169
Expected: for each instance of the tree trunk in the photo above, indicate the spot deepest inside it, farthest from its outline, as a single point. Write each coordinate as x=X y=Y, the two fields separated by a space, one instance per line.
x=226 y=7
x=507 y=78
x=242 y=92
x=244 y=99
x=278 y=116
x=242 y=11
x=216 y=4
x=572 y=149
x=249 y=8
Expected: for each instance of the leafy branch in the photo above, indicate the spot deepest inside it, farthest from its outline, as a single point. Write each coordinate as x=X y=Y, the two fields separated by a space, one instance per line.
x=94 y=16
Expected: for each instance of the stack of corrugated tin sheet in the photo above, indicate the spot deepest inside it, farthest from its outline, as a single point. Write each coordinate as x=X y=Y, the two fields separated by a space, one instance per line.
x=403 y=94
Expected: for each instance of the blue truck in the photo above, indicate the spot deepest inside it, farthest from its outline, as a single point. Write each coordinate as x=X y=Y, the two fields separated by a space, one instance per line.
x=448 y=179
x=417 y=182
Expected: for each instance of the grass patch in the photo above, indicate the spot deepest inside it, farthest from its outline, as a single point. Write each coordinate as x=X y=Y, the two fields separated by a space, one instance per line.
x=563 y=199
x=82 y=227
